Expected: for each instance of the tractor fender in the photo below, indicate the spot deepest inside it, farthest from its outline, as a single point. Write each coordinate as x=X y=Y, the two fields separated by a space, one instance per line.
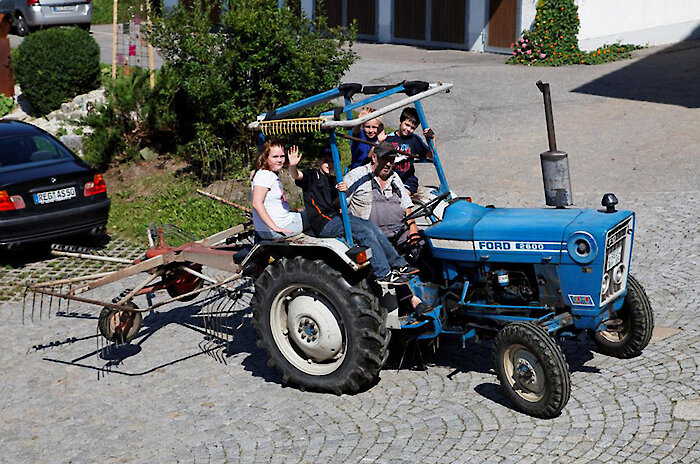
x=302 y=244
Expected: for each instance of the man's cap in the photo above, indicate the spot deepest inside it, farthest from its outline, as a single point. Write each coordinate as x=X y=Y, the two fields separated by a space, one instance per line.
x=385 y=148
x=325 y=153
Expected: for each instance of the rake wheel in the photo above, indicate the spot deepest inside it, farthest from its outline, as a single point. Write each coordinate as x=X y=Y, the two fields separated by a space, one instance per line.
x=119 y=326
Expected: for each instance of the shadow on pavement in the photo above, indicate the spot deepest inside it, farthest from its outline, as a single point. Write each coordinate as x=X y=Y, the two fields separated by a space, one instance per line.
x=41 y=251
x=220 y=318
x=669 y=76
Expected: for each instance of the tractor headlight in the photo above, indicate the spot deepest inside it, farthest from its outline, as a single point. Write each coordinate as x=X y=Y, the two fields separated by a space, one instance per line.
x=618 y=273
x=605 y=284
x=582 y=247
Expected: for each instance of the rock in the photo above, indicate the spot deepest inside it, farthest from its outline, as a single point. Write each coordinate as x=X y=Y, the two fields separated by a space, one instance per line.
x=66 y=107
x=49 y=125
x=80 y=100
x=76 y=115
x=74 y=142
x=57 y=116
x=17 y=115
x=96 y=96
x=148 y=154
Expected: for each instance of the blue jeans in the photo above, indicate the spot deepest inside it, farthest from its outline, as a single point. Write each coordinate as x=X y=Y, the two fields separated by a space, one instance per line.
x=384 y=256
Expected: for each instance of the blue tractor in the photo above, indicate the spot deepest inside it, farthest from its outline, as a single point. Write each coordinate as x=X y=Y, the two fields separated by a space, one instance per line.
x=523 y=277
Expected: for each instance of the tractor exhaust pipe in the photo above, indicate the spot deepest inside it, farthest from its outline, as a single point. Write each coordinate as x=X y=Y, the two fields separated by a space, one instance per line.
x=555 y=163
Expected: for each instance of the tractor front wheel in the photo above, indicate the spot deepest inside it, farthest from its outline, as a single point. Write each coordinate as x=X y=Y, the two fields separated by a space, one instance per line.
x=320 y=332
x=633 y=333
x=531 y=369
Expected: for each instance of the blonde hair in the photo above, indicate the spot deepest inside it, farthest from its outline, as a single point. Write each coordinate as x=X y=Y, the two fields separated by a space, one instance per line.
x=261 y=161
x=378 y=119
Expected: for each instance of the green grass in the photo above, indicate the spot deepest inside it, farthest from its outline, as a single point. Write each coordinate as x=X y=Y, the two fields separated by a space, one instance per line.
x=168 y=200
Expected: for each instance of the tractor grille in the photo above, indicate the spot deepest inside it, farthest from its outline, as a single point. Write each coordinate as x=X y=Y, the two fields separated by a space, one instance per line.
x=618 y=246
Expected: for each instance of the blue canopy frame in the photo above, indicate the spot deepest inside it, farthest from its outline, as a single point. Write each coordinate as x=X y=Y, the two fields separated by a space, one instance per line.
x=331 y=121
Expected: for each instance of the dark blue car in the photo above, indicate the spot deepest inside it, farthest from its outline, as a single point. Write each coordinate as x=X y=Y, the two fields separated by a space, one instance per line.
x=46 y=191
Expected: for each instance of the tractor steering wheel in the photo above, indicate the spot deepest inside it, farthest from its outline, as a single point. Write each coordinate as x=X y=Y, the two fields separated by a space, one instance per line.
x=426 y=209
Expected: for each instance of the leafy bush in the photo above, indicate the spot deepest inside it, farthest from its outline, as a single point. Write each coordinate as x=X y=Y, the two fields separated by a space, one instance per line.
x=6 y=105
x=261 y=57
x=554 y=39
x=55 y=65
x=129 y=119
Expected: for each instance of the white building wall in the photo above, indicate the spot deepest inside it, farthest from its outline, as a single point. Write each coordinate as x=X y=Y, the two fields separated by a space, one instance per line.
x=640 y=22
x=528 y=11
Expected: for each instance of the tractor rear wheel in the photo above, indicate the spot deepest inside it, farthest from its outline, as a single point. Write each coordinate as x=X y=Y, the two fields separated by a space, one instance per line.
x=119 y=326
x=633 y=334
x=532 y=369
x=320 y=332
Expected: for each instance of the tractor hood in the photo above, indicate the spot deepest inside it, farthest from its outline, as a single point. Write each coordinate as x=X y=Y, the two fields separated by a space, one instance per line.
x=473 y=232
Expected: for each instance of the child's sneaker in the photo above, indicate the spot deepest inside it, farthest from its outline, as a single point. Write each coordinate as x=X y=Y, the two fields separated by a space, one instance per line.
x=393 y=278
x=407 y=270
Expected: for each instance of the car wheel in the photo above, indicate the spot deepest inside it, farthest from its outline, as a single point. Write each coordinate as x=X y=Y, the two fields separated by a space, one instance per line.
x=21 y=25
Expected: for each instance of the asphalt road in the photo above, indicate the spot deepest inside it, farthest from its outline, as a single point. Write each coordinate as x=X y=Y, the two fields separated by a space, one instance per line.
x=104 y=36
x=629 y=127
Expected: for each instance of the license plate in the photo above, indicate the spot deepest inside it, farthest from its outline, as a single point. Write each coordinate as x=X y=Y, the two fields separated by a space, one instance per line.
x=614 y=257
x=64 y=8
x=54 y=196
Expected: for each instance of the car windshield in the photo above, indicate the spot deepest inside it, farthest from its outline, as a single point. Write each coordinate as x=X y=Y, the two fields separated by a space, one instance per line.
x=23 y=151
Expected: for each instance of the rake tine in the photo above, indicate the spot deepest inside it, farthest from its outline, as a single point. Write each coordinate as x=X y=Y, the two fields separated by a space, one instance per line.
x=33 y=305
x=50 y=305
x=220 y=324
x=60 y=290
x=24 y=301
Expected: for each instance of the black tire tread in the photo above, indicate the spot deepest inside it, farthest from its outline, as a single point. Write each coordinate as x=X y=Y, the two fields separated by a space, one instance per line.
x=641 y=329
x=367 y=321
x=560 y=382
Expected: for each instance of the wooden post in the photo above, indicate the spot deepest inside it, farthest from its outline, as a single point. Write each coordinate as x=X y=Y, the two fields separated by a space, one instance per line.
x=7 y=81
x=150 y=47
x=114 y=40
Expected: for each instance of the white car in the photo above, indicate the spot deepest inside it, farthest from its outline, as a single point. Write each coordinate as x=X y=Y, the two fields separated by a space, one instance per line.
x=33 y=14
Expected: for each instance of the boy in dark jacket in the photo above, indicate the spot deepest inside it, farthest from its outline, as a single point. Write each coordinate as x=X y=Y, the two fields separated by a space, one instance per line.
x=405 y=140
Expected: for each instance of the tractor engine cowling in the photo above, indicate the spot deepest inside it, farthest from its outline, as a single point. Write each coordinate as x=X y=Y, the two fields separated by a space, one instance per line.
x=564 y=257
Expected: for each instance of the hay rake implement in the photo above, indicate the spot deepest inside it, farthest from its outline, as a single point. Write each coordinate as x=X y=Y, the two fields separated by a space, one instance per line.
x=175 y=270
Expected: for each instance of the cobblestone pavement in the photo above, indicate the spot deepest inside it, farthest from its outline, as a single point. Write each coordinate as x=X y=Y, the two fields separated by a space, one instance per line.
x=168 y=399
x=37 y=264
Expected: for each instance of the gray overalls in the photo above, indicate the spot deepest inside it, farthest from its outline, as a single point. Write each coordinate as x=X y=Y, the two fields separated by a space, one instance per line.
x=387 y=212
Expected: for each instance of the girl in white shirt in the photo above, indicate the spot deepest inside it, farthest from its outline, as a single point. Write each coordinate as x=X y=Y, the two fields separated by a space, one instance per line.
x=271 y=215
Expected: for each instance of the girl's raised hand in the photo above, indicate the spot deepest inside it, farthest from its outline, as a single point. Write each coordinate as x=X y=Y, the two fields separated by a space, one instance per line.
x=294 y=155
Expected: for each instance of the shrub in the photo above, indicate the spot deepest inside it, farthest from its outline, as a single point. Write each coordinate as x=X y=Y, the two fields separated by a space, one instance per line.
x=554 y=39
x=261 y=57
x=130 y=119
x=6 y=105
x=55 y=65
